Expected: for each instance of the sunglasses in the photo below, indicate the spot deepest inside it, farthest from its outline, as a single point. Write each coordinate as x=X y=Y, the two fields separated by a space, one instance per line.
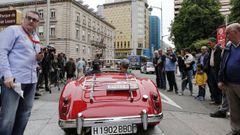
x=29 y=18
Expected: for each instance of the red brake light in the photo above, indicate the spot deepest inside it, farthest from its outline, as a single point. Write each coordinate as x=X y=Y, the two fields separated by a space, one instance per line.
x=66 y=105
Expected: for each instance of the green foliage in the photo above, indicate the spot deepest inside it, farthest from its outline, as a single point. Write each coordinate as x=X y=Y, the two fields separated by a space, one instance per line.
x=235 y=11
x=199 y=43
x=197 y=19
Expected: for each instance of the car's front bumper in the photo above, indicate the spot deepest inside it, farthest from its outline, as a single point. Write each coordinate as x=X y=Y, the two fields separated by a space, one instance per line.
x=81 y=122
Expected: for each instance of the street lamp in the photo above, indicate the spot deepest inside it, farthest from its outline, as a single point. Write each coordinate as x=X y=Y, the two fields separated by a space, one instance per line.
x=161 y=30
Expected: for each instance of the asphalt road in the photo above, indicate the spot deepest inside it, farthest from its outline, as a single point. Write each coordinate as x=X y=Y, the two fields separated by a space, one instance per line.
x=183 y=115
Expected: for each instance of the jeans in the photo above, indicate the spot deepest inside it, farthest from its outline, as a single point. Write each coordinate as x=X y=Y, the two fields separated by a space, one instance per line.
x=15 y=111
x=201 y=91
x=162 y=78
x=187 y=79
x=157 y=77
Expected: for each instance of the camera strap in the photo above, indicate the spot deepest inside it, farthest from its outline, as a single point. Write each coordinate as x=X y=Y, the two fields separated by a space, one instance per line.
x=30 y=37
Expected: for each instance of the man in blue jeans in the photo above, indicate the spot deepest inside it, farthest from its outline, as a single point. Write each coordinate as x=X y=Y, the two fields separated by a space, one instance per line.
x=19 y=53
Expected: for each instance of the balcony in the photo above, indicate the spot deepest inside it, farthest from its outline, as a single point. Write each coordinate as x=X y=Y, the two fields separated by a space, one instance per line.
x=97 y=44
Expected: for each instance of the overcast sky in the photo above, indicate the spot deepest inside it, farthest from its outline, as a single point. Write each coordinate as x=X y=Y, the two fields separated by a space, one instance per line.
x=167 y=8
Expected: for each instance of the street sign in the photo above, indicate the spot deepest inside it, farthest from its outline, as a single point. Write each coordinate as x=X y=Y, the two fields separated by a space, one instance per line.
x=10 y=17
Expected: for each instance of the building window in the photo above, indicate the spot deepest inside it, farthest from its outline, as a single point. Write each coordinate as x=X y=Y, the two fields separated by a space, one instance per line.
x=94 y=25
x=83 y=35
x=125 y=45
x=89 y=22
x=77 y=33
x=139 y=45
x=78 y=17
x=52 y=30
x=40 y=11
x=52 y=13
x=77 y=48
x=40 y=30
x=84 y=20
x=89 y=36
x=93 y=36
x=89 y=50
x=84 y=49
x=128 y=44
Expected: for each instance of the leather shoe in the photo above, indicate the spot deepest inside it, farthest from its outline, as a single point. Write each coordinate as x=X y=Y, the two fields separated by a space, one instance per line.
x=169 y=90
x=218 y=114
x=38 y=94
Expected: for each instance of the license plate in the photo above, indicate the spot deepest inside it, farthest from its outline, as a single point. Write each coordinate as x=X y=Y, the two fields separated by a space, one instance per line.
x=112 y=129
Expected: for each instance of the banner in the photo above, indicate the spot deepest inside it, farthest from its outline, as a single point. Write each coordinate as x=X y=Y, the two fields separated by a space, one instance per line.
x=221 y=36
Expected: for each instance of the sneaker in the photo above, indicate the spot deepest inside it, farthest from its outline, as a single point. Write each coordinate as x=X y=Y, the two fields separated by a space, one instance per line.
x=180 y=93
x=200 y=98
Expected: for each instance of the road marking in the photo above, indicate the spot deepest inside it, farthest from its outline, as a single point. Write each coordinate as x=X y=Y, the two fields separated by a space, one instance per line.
x=169 y=101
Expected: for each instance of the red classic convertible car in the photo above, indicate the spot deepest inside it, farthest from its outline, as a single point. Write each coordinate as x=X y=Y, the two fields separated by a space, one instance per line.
x=109 y=103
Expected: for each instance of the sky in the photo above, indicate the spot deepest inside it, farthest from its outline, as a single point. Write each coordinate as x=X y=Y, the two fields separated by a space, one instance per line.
x=167 y=13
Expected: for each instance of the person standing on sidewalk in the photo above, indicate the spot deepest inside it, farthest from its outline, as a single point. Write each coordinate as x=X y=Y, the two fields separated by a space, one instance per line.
x=19 y=53
x=155 y=62
x=229 y=75
x=161 y=69
x=223 y=109
x=212 y=70
x=201 y=81
x=170 y=68
x=188 y=76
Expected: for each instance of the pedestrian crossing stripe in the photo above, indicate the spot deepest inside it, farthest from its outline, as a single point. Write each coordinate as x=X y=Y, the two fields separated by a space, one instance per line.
x=169 y=101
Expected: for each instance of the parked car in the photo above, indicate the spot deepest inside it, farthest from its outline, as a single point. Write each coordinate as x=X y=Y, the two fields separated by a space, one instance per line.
x=109 y=103
x=147 y=67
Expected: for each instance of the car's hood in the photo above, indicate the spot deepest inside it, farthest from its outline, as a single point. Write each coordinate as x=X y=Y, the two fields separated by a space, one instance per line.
x=110 y=88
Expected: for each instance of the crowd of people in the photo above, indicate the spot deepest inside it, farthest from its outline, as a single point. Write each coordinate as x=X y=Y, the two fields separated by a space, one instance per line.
x=202 y=67
x=212 y=66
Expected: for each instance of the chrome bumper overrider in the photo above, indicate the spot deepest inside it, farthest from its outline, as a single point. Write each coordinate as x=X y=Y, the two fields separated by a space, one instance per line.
x=81 y=122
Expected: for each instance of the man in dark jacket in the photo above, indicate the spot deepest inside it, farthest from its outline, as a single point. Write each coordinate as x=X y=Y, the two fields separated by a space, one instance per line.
x=155 y=62
x=213 y=65
x=70 y=68
x=229 y=75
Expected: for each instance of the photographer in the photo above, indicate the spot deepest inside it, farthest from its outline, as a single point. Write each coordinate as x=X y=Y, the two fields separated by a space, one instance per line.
x=46 y=65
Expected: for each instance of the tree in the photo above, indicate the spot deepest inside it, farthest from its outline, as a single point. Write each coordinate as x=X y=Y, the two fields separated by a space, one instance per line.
x=197 y=19
x=235 y=13
x=199 y=43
